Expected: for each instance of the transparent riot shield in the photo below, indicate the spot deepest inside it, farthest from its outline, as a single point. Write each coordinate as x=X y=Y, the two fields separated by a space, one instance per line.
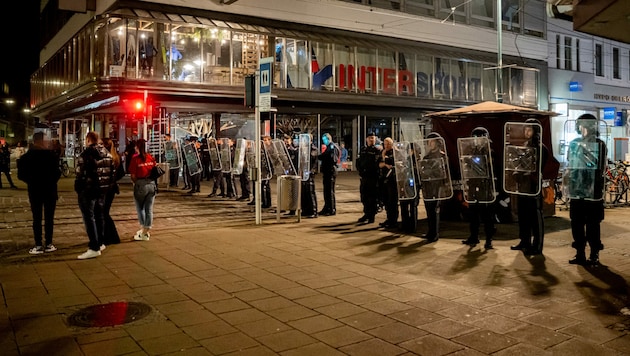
x=522 y=157
x=239 y=156
x=225 y=154
x=280 y=160
x=192 y=159
x=304 y=154
x=266 y=172
x=475 y=164
x=432 y=165
x=584 y=170
x=403 y=164
x=215 y=157
x=172 y=154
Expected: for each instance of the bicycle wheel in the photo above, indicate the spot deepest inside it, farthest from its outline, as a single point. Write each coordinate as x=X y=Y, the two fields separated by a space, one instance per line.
x=65 y=170
x=559 y=197
x=612 y=192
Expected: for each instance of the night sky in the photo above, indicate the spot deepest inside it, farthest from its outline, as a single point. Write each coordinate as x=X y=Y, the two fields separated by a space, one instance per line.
x=19 y=22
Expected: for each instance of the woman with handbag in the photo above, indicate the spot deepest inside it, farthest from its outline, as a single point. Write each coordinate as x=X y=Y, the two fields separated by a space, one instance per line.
x=144 y=188
x=110 y=233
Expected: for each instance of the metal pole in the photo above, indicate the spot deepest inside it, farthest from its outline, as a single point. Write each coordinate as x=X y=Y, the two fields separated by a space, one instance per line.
x=499 y=52
x=257 y=182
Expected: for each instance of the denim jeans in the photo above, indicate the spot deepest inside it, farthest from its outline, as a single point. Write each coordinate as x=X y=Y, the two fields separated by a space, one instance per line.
x=144 y=196
x=92 y=211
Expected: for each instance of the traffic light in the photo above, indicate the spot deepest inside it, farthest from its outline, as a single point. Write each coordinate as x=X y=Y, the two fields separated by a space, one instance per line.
x=135 y=106
x=250 y=91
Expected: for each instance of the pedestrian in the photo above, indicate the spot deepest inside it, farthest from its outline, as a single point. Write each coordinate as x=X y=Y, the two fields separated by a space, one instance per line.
x=367 y=165
x=530 y=204
x=265 y=186
x=5 y=165
x=94 y=175
x=587 y=159
x=328 y=168
x=195 y=177
x=479 y=190
x=110 y=233
x=216 y=169
x=144 y=189
x=228 y=177
x=387 y=184
x=205 y=159
x=344 y=153
x=39 y=169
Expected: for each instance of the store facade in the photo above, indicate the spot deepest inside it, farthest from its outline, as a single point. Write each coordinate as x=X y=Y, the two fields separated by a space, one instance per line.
x=187 y=69
x=573 y=94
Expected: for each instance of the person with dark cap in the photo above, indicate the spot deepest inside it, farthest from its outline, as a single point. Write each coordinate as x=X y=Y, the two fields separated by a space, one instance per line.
x=530 y=207
x=329 y=159
x=587 y=159
x=431 y=188
x=479 y=189
x=367 y=165
x=387 y=184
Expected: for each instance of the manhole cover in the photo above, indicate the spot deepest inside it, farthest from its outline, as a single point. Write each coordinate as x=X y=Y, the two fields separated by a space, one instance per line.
x=109 y=314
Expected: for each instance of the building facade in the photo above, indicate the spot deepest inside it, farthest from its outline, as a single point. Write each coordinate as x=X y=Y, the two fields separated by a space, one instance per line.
x=588 y=74
x=130 y=69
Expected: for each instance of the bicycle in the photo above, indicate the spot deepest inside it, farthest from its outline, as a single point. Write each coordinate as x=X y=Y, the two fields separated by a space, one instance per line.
x=560 y=198
x=617 y=183
x=63 y=167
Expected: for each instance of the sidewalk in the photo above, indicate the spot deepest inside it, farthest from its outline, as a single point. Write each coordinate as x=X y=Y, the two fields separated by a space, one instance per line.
x=213 y=283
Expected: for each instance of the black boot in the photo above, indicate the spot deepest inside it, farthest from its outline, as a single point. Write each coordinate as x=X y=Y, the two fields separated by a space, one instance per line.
x=579 y=259
x=594 y=259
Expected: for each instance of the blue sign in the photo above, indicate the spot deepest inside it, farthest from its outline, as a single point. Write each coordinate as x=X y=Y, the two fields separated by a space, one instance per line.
x=610 y=113
x=265 y=78
x=618 y=119
x=575 y=86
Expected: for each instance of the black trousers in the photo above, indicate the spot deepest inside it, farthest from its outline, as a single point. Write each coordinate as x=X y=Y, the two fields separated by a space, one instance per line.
x=586 y=217
x=432 y=208
x=478 y=213
x=110 y=233
x=530 y=221
x=409 y=215
x=43 y=204
x=369 y=198
x=330 y=206
x=308 y=198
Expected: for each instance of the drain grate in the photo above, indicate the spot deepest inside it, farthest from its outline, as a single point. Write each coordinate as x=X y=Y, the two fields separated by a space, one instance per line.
x=109 y=314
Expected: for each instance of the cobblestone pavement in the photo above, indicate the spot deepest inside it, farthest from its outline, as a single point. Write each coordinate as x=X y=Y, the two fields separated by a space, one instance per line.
x=218 y=284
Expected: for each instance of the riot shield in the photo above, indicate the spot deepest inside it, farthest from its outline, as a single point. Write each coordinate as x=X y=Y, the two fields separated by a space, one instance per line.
x=475 y=164
x=225 y=154
x=215 y=157
x=304 y=156
x=239 y=156
x=403 y=164
x=522 y=158
x=584 y=170
x=192 y=159
x=265 y=166
x=432 y=165
x=280 y=160
x=172 y=155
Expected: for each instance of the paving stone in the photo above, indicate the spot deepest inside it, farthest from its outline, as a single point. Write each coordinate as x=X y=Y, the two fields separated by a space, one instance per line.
x=229 y=343
x=415 y=316
x=366 y=320
x=341 y=336
x=316 y=349
x=396 y=332
x=431 y=345
x=374 y=347
x=485 y=341
x=315 y=324
x=170 y=343
x=538 y=336
x=448 y=328
x=286 y=340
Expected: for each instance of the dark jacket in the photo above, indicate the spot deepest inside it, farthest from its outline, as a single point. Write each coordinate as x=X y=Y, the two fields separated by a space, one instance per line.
x=94 y=172
x=367 y=163
x=329 y=160
x=39 y=169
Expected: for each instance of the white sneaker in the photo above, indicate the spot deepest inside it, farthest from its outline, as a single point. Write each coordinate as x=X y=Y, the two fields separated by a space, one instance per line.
x=50 y=248
x=103 y=247
x=142 y=237
x=36 y=250
x=89 y=254
x=138 y=235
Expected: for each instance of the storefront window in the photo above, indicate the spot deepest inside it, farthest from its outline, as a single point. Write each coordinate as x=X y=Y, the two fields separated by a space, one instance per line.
x=346 y=71
x=185 y=54
x=297 y=64
x=147 y=49
x=482 y=13
x=406 y=76
x=386 y=73
x=117 y=47
x=475 y=73
x=424 y=76
x=366 y=70
x=420 y=7
x=280 y=66
x=100 y=36
x=132 y=49
x=452 y=11
x=457 y=82
x=489 y=84
x=322 y=64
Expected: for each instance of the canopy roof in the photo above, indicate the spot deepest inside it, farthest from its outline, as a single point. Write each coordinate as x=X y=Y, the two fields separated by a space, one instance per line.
x=488 y=107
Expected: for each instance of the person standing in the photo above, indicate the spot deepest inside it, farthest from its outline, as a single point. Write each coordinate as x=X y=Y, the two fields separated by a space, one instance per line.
x=387 y=184
x=434 y=185
x=530 y=207
x=39 y=169
x=110 y=233
x=308 y=199
x=144 y=189
x=170 y=153
x=329 y=158
x=479 y=188
x=5 y=165
x=367 y=165
x=94 y=174
x=585 y=180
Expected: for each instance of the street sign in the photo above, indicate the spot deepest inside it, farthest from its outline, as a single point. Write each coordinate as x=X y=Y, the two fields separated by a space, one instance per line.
x=264 y=84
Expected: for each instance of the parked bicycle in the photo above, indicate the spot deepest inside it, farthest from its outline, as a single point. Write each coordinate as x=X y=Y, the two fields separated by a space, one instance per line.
x=617 y=183
x=560 y=197
x=63 y=167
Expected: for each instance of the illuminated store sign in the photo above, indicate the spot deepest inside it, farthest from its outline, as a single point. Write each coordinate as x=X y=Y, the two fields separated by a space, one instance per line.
x=364 y=79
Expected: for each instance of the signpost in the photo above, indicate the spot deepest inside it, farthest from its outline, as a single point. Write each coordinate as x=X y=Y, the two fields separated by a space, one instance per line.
x=264 y=81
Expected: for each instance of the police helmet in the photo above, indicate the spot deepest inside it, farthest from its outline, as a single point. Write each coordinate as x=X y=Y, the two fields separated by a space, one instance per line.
x=479 y=132
x=587 y=121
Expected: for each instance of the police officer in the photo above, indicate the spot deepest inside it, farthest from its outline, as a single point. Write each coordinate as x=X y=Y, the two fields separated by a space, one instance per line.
x=329 y=158
x=586 y=168
x=530 y=214
x=367 y=165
